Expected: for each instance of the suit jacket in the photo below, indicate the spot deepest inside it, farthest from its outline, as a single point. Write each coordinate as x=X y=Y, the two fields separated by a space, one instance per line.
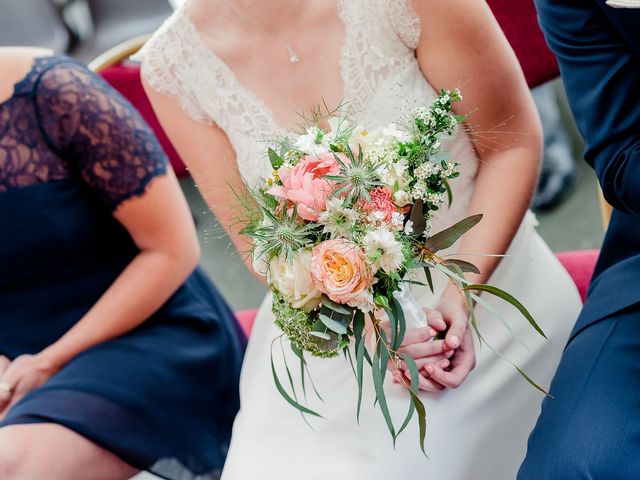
x=598 y=50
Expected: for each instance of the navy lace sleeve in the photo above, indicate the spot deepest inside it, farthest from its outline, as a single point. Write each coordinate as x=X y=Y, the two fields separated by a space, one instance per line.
x=98 y=132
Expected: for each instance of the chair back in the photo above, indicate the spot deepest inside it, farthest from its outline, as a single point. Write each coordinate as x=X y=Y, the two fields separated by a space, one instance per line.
x=519 y=22
x=125 y=77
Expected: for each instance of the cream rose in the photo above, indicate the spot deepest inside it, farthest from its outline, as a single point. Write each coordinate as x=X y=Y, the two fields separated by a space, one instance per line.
x=292 y=278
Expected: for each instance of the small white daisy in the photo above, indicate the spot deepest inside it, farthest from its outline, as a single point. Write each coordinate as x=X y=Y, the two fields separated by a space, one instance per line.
x=383 y=250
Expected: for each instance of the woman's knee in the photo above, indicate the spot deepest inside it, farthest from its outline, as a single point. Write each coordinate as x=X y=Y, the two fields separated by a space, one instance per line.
x=14 y=453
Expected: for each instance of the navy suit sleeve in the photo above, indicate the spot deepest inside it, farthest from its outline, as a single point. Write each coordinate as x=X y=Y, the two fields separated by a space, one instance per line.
x=598 y=50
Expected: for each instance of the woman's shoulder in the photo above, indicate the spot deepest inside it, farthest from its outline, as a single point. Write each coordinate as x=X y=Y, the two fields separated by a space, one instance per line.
x=24 y=68
x=17 y=63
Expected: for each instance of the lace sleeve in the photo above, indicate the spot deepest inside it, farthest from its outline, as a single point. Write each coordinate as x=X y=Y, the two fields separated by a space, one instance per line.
x=167 y=65
x=405 y=21
x=99 y=133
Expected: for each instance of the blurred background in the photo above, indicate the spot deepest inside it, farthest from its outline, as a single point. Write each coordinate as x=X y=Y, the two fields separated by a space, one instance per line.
x=566 y=202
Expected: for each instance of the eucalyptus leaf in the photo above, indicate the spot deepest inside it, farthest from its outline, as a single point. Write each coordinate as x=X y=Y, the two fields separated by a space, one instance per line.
x=413 y=371
x=422 y=419
x=480 y=301
x=322 y=335
x=336 y=307
x=333 y=325
x=381 y=397
x=427 y=273
x=402 y=324
x=284 y=393
x=447 y=237
x=507 y=297
x=464 y=266
x=360 y=348
x=418 y=218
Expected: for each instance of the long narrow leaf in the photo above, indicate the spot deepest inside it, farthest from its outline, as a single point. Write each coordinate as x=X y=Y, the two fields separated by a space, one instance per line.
x=284 y=393
x=359 y=374
x=466 y=267
x=402 y=324
x=427 y=272
x=447 y=237
x=500 y=317
x=507 y=297
x=381 y=397
x=422 y=419
x=413 y=370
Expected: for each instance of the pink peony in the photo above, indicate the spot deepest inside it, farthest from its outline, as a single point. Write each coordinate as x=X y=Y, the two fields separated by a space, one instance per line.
x=339 y=270
x=381 y=201
x=306 y=186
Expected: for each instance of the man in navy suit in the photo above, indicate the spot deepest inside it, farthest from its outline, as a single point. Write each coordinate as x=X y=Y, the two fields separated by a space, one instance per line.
x=589 y=427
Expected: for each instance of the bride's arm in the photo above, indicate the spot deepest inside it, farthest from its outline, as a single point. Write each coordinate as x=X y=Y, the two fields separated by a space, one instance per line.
x=206 y=150
x=462 y=45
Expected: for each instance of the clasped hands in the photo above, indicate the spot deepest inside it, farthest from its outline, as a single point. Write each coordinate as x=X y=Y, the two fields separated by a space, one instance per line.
x=443 y=363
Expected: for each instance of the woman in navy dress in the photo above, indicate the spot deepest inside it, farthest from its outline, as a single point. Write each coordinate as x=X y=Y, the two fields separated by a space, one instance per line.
x=115 y=355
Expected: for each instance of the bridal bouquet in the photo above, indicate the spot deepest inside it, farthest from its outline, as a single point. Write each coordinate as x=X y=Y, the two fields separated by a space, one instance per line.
x=339 y=227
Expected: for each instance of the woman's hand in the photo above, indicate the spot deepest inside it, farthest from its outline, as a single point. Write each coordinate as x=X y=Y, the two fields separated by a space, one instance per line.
x=24 y=374
x=443 y=363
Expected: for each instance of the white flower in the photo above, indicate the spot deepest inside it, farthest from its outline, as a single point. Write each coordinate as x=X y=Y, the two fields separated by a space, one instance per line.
x=314 y=142
x=392 y=131
x=397 y=220
x=363 y=301
x=376 y=217
x=408 y=228
x=293 y=279
x=383 y=250
x=396 y=172
x=337 y=219
x=401 y=198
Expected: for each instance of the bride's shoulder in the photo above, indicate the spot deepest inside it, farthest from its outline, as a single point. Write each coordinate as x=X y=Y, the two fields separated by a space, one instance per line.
x=170 y=64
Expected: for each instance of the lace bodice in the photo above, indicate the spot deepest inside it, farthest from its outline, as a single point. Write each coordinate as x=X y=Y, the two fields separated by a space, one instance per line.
x=382 y=82
x=64 y=121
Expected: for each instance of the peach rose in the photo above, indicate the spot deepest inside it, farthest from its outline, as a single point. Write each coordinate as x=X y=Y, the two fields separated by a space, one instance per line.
x=306 y=186
x=339 y=270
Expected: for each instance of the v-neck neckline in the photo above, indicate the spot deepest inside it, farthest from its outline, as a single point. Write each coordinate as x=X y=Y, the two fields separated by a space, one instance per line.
x=253 y=97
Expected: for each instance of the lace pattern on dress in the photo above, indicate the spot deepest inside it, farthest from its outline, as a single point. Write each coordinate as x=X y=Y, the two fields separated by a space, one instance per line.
x=84 y=128
x=405 y=21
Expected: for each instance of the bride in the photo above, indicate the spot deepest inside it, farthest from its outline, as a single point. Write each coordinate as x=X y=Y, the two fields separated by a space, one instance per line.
x=224 y=76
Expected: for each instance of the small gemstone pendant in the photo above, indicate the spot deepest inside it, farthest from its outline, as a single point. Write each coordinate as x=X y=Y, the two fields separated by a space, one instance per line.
x=293 y=56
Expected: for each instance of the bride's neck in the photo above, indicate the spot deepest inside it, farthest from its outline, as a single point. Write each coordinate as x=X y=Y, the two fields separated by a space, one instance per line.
x=271 y=14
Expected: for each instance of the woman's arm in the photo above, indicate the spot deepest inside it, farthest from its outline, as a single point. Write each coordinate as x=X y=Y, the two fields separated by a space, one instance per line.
x=462 y=45
x=160 y=224
x=212 y=163
x=104 y=138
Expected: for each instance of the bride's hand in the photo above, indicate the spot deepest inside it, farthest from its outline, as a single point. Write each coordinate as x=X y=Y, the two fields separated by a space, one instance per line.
x=444 y=363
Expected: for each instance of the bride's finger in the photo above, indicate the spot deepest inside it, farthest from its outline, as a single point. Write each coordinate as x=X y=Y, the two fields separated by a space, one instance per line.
x=427 y=384
x=4 y=364
x=418 y=335
x=434 y=360
x=423 y=349
x=435 y=319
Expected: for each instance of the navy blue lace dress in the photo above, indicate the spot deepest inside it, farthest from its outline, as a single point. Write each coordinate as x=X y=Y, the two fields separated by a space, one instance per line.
x=162 y=397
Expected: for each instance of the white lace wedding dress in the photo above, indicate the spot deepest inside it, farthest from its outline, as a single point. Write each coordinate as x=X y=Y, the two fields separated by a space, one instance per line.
x=477 y=432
